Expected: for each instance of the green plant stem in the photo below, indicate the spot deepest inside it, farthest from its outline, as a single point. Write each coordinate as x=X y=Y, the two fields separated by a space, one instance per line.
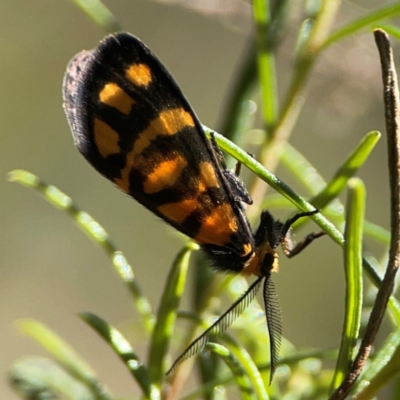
x=392 y=119
x=166 y=315
x=300 y=203
x=353 y=272
x=266 y=63
x=125 y=352
x=249 y=367
x=242 y=380
x=354 y=26
x=294 y=99
x=100 y=14
x=93 y=230
x=234 y=119
x=66 y=356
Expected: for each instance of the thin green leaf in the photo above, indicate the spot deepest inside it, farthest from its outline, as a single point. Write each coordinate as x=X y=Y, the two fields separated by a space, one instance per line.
x=38 y=378
x=275 y=200
x=304 y=33
x=277 y=184
x=242 y=380
x=239 y=113
x=336 y=185
x=354 y=26
x=384 y=367
x=350 y=166
x=310 y=178
x=298 y=201
x=353 y=272
x=291 y=360
x=266 y=63
x=207 y=388
x=95 y=231
x=249 y=367
x=124 y=350
x=292 y=156
x=65 y=355
x=294 y=98
x=375 y=278
x=371 y=230
x=166 y=315
x=392 y=30
x=100 y=14
x=376 y=232
x=300 y=167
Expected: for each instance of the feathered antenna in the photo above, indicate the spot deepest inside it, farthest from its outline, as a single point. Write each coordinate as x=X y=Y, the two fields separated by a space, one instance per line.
x=274 y=322
x=222 y=323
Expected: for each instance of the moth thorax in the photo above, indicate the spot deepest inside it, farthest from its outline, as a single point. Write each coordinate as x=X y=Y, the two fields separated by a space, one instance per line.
x=269 y=259
x=263 y=261
x=270 y=263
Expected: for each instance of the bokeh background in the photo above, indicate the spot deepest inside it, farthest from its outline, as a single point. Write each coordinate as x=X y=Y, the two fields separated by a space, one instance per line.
x=49 y=270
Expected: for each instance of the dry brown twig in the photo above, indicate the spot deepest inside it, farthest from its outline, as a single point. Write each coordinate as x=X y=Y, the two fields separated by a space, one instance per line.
x=392 y=119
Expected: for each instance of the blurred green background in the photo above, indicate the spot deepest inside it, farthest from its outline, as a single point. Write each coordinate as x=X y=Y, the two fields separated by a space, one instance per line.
x=50 y=271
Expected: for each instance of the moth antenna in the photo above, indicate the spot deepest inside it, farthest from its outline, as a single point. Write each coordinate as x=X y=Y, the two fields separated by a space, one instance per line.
x=274 y=322
x=221 y=324
x=291 y=221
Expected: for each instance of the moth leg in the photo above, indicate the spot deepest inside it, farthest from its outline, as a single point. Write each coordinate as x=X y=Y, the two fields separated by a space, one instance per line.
x=290 y=250
x=221 y=157
x=237 y=187
x=288 y=247
x=238 y=166
x=234 y=177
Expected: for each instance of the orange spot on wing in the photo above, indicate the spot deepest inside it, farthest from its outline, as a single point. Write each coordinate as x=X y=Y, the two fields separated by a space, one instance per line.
x=164 y=175
x=116 y=97
x=207 y=177
x=106 y=138
x=138 y=74
x=169 y=122
x=218 y=227
x=178 y=212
